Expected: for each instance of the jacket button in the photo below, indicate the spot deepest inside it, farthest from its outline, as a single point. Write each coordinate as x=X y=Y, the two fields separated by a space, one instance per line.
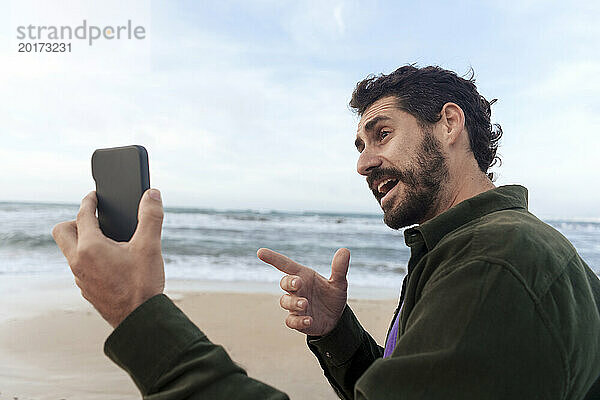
x=327 y=354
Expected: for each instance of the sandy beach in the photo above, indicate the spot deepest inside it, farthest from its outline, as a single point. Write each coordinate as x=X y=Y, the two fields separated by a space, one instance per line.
x=51 y=339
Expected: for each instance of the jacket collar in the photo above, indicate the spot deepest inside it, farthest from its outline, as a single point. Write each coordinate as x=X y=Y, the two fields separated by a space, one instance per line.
x=500 y=198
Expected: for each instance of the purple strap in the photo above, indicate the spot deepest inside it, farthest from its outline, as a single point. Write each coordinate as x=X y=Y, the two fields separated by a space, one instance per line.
x=391 y=341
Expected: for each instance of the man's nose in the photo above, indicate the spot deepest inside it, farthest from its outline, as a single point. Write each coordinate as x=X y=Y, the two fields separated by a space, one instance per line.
x=367 y=161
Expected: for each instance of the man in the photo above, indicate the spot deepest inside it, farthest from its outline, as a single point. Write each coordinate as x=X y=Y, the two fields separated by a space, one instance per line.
x=495 y=305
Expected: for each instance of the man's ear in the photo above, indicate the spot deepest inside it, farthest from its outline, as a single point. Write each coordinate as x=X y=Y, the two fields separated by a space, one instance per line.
x=453 y=122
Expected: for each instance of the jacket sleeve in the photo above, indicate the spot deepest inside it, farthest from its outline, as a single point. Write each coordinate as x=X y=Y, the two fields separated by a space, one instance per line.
x=475 y=332
x=169 y=358
x=345 y=353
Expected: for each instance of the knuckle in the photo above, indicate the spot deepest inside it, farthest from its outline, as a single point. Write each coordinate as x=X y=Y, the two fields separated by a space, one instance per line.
x=286 y=283
x=87 y=252
x=145 y=247
x=75 y=263
x=80 y=215
x=288 y=302
x=84 y=294
x=56 y=229
x=154 y=213
x=59 y=228
x=157 y=217
x=79 y=284
x=77 y=269
x=300 y=303
x=84 y=252
x=290 y=321
x=295 y=322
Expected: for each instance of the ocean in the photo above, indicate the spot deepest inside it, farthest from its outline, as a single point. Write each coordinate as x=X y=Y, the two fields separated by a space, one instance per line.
x=218 y=245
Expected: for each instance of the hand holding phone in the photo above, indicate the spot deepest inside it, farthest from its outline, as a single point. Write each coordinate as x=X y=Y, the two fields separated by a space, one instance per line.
x=116 y=277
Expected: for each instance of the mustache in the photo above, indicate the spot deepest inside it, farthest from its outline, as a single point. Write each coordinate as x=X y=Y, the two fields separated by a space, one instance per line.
x=394 y=173
x=407 y=177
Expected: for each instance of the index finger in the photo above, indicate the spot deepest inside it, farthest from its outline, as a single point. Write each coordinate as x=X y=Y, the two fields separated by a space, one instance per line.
x=87 y=223
x=279 y=261
x=65 y=236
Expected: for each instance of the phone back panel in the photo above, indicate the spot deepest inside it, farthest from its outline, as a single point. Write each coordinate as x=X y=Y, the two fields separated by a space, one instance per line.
x=122 y=177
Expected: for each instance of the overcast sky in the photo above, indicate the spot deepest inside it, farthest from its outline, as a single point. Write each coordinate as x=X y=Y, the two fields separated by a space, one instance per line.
x=244 y=104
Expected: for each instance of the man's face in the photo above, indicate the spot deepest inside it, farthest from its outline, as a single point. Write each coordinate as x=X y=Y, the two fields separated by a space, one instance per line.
x=404 y=163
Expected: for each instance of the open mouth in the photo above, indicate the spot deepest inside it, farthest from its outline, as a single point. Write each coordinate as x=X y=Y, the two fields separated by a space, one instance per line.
x=385 y=187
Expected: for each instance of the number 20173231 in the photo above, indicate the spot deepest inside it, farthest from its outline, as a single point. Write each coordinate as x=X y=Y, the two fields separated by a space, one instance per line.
x=42 y=47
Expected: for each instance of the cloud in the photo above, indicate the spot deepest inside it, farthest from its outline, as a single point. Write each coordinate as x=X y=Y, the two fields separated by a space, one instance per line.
x=218 y=132
x=550 y=141
x=337 y=15
x=245 y=105
x=566 y=80
x=322 y=27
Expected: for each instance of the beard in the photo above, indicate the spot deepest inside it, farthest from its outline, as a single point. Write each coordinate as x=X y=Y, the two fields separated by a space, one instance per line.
x=423 y=184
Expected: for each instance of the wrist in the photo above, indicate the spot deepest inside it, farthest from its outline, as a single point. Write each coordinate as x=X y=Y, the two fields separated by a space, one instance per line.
x=124 y=311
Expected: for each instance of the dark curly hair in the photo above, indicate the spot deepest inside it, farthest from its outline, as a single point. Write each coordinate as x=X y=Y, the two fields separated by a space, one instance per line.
x=422 y=92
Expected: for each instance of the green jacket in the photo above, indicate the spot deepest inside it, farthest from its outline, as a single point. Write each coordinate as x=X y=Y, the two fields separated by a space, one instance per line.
x=496 y=305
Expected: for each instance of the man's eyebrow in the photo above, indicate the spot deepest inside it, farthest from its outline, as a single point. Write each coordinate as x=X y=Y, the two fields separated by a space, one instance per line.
x=371 y=124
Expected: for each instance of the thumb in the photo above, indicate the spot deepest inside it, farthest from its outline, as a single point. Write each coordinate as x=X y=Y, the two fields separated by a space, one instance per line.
x=150 y=217
x=339 y=265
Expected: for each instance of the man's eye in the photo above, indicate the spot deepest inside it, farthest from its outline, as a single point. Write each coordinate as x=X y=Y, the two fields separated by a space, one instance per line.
x=383 y=134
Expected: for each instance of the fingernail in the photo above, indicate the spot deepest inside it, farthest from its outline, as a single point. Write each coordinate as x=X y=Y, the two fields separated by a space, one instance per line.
x=301 y=303
x=306 y=321
x=155 y=194
x=294 y=282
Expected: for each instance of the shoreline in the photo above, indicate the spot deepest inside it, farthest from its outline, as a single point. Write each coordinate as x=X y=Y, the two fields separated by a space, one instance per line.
x=182 y=286
x=19 y=284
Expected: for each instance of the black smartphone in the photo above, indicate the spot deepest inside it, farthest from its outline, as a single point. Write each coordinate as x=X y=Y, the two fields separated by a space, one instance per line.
x=122 y=176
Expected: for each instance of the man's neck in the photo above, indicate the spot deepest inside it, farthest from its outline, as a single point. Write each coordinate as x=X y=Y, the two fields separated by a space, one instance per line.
x=468 y=187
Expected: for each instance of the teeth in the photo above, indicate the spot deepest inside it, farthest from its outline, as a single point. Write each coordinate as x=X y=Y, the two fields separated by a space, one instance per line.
x=383 y=183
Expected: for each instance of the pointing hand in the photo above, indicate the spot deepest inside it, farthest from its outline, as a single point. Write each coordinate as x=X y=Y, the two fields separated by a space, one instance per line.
x=315 y=303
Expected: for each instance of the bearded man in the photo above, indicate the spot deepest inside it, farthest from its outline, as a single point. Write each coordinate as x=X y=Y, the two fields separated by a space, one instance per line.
x=496 y=304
